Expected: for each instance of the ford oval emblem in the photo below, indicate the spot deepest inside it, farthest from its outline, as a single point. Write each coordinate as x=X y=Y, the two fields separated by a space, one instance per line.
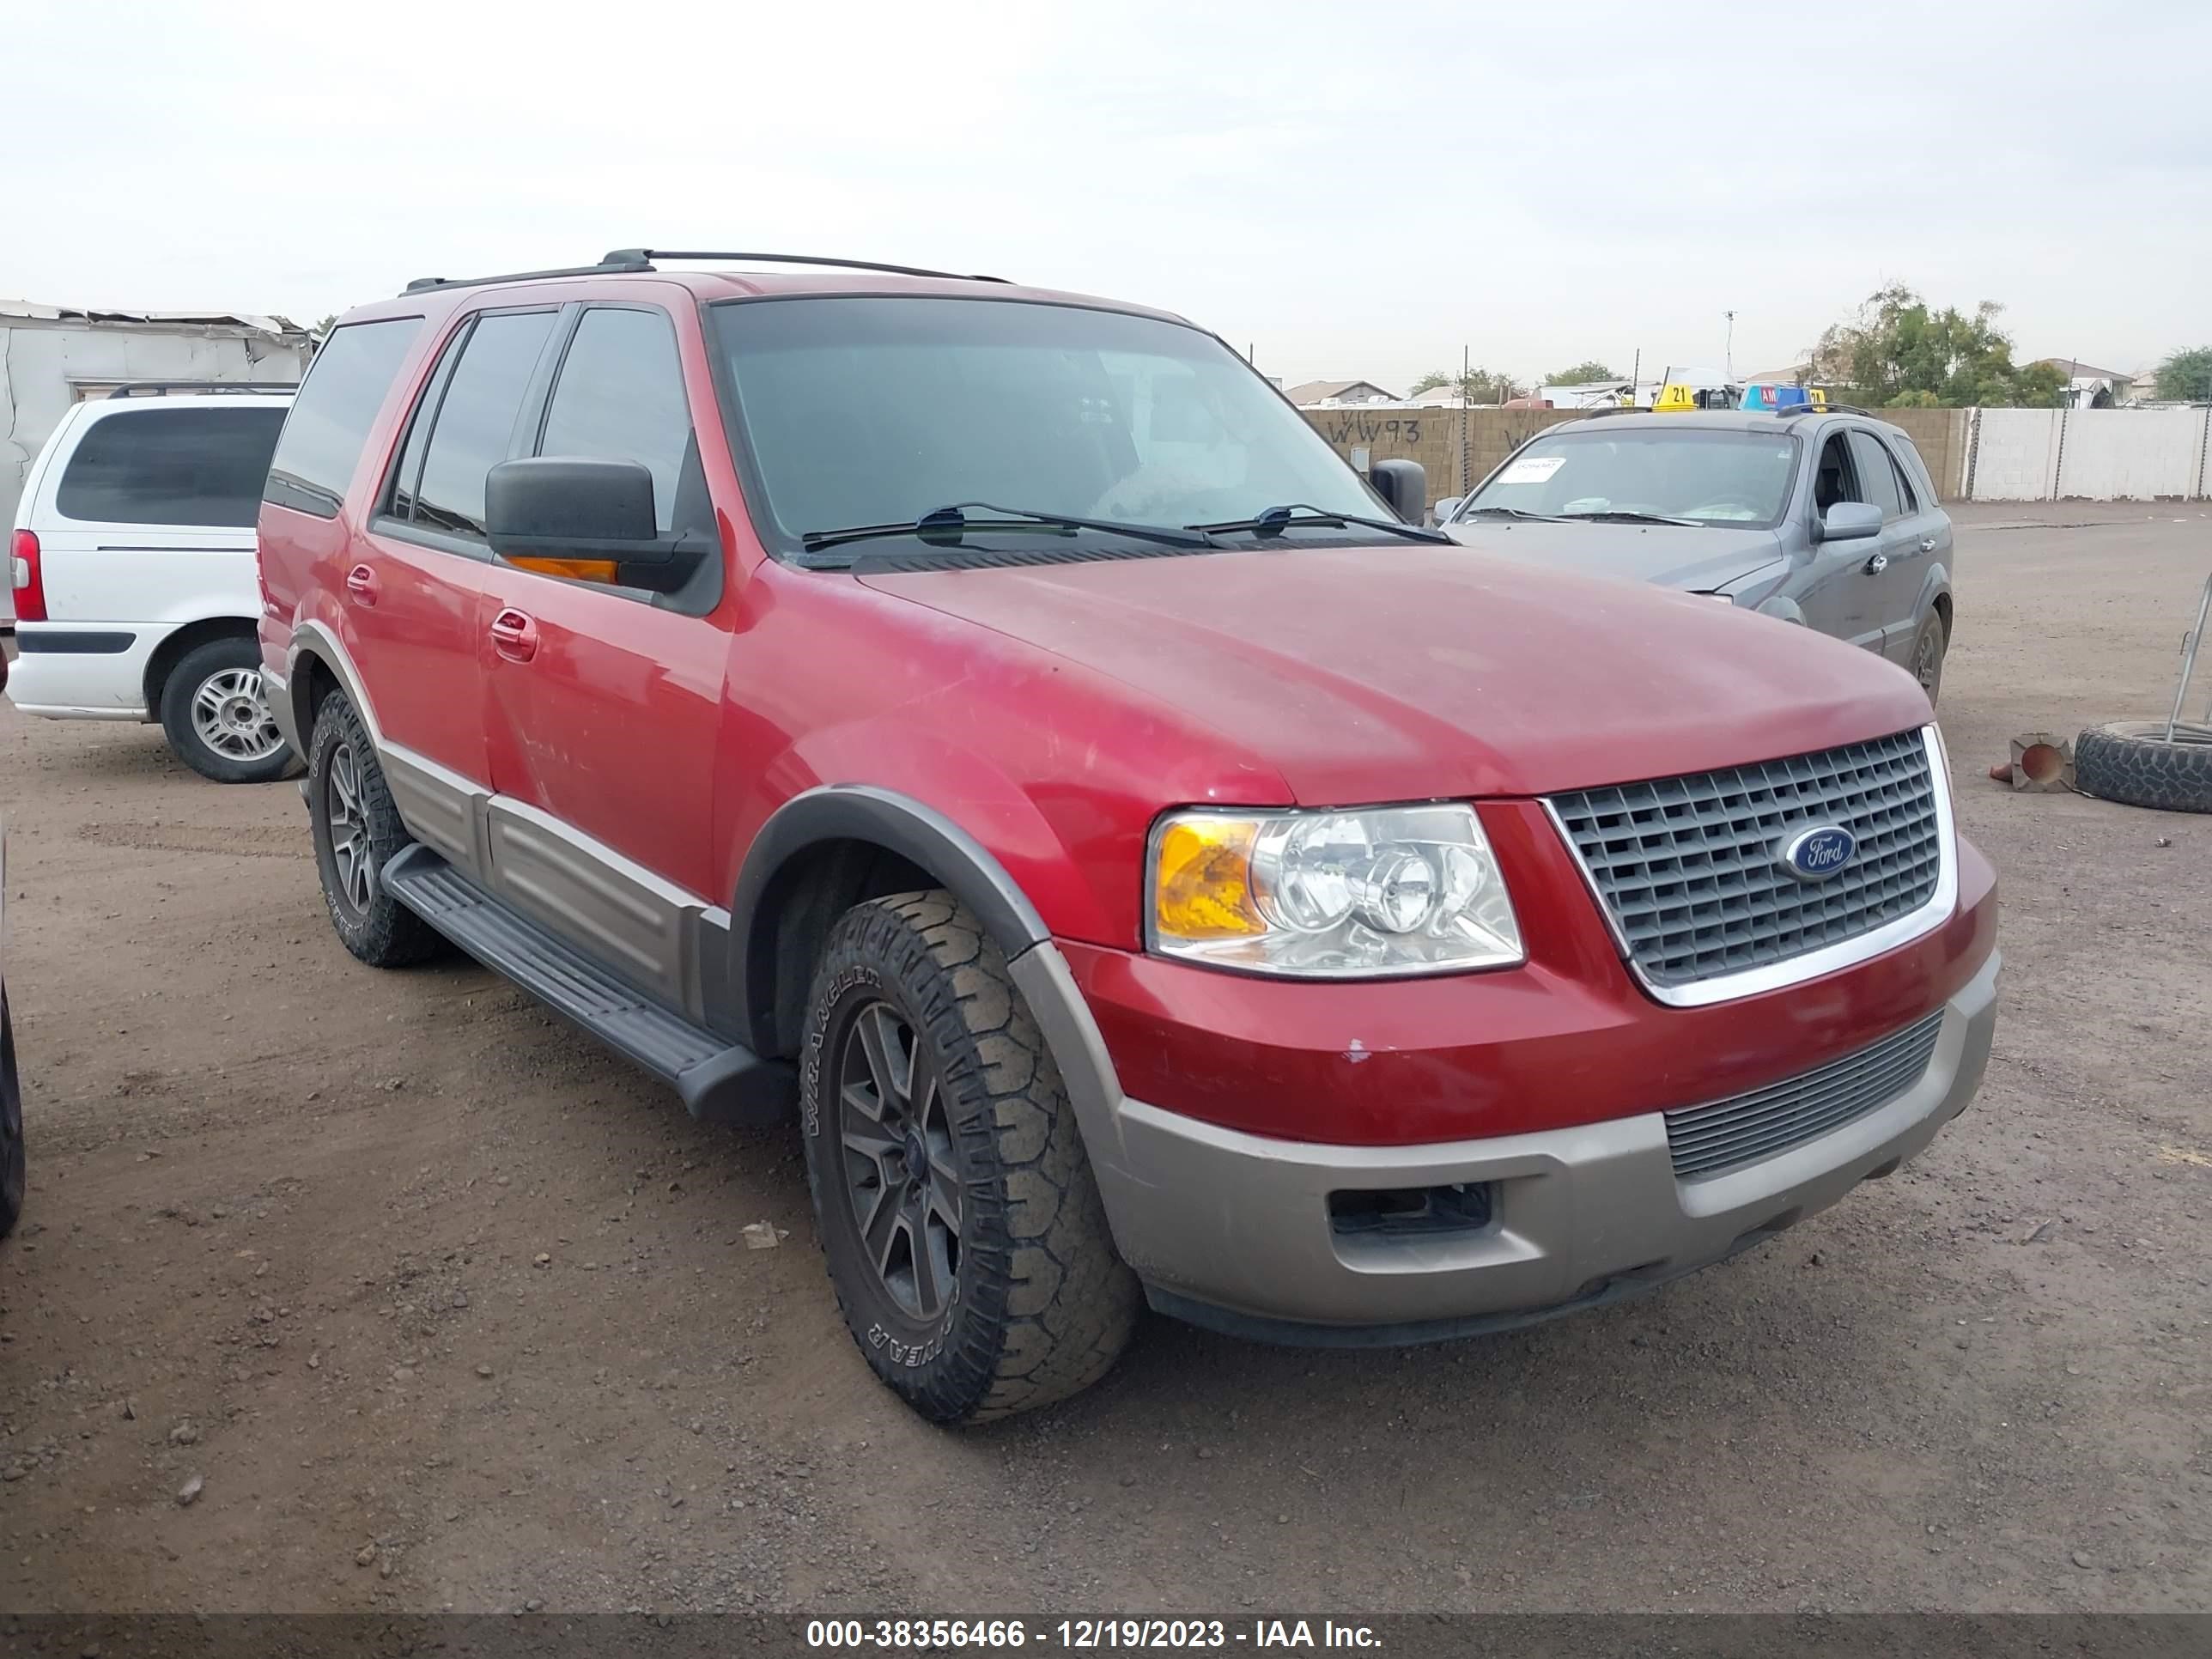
x=1816 y=854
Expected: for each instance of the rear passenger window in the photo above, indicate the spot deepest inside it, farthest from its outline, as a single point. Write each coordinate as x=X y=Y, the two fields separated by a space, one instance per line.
x=474 y=429
x=620 y=397
x=1877 y=474
x=331 y=417
x=171 y=466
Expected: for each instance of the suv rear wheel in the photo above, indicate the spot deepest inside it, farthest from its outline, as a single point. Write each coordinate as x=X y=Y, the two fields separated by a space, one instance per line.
x=357 y=832
x=216 y=715
x=963 y=1231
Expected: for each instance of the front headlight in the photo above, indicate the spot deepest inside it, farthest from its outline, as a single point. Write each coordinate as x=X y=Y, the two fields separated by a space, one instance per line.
x=1330 y=895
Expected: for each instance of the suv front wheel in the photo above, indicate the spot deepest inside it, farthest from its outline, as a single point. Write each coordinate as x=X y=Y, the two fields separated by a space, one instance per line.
x=964 y=1230
x=357 y=832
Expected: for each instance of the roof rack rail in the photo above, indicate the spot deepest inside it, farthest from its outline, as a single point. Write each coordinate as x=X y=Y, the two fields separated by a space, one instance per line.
x=157 y=388
x=629 y=261
x=607 y=267
x=645 y=255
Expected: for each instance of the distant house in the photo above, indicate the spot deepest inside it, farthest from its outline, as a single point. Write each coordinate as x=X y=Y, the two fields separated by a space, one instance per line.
x=2088 y=386
x=1307 y=394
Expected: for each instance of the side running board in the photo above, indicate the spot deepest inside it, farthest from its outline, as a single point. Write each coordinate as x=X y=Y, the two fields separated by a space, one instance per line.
x=719 y=1081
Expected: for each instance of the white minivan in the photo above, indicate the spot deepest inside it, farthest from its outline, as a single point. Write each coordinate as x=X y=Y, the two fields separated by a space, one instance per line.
x=135 y=590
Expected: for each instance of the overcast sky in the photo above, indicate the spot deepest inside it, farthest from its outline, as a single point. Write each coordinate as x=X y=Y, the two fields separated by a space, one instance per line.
x=1352 y=190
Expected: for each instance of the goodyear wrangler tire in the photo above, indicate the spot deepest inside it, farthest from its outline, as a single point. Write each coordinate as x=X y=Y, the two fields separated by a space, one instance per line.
x=962 y=1226
x=2131 y=761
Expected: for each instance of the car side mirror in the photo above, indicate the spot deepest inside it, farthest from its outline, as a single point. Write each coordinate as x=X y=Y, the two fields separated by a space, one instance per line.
x=1405 y=485
x=1445 y=508
x=1850 y=521
x=593 y=520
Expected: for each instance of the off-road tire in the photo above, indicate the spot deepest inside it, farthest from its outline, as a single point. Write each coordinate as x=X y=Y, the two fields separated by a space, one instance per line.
x=1041 y=1306
x=237 y=654
x=2131 y=761
x=1924 y=662
x=379 y=929
x=11 y=1127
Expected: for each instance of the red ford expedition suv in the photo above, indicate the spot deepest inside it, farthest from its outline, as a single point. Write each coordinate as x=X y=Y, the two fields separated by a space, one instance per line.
x=992 y=724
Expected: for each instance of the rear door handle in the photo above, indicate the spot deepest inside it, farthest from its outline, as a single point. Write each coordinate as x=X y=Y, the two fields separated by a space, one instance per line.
x=1877 y=564
x=361 y=583
x=514 y=635
x=1927 y=543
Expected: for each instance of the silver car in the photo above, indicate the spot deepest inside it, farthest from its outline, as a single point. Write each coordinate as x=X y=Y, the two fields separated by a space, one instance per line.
x=1827 y=518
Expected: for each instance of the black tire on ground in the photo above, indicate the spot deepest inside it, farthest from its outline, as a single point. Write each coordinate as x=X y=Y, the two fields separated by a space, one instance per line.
x=357 y=832
x=11 y=1127
x=2131 y=761
x=962 y=1226
x=1925 y=661
x=220 y=683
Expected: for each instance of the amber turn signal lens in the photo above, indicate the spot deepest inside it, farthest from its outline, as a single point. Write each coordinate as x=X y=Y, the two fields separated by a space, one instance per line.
x=1204 y=886
x=581 y=570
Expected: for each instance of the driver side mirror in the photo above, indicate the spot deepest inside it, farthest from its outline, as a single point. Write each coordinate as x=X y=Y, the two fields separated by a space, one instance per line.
x=590 y=521
x=1445 y=508
x=1850 y=521
x=1405 y=485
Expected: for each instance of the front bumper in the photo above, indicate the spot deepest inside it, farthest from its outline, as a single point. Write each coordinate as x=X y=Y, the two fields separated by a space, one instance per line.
x=1233 y=1230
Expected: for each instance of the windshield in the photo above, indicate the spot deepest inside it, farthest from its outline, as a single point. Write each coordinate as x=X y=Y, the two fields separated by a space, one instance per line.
x=1700 y=474
x=867 y=410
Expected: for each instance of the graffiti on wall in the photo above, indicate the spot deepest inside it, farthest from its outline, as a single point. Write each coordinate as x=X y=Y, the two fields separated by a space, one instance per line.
x=1353 y=427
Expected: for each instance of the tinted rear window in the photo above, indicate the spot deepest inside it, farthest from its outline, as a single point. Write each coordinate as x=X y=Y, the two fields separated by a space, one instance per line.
x=330 y=417
x=187 y=467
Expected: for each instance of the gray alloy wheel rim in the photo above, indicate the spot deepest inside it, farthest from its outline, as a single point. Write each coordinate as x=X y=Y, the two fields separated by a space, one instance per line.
x=230 y=715
x=1928 y=662
x=348 y=826
x=901 y=1176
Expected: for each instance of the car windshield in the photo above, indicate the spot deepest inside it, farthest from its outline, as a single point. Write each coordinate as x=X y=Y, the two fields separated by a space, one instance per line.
x=1699 y=474
x=868 y=410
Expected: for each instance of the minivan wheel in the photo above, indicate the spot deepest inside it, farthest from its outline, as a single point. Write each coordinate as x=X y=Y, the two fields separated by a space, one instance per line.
x=1927 y=659
x=963 y=1229
x=217 y=716
x=357 y=832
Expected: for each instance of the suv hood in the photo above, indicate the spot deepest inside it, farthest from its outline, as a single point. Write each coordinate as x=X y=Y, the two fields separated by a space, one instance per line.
x=1405 y=672
x=1699 y=561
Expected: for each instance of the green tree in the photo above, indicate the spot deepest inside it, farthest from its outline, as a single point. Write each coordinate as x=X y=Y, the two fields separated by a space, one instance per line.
x=1895 y=346
x=2186 y=376
x=1477 y=386
x=1583 y=374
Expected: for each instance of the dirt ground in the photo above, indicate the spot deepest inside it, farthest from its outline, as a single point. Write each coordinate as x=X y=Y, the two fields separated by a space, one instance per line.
x=447 y=1308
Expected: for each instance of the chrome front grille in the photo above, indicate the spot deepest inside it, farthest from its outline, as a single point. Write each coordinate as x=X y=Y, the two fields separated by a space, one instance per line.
x=1706 y=1140
x=1689 y=868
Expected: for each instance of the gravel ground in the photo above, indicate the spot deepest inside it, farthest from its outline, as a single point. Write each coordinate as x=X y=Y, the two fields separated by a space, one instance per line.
x=431 y=1303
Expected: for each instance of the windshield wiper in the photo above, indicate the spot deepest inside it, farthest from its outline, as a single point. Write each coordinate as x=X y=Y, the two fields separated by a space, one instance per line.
x=1510 y=513
x=1622 y=515
x=1299 y=515
x=944 y=526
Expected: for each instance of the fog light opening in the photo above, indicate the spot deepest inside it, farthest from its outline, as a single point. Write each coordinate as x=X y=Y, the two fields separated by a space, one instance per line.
x=1411 y=1211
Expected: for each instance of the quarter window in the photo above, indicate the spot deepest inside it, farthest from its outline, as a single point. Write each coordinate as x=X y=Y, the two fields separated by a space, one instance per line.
x=620 y=397
x=171 y=466
x=330 y=417
x=476 y=419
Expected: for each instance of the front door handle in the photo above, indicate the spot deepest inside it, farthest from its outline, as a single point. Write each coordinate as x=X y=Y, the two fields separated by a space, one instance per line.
x=1877 y=564
x=362 y=585
x=514 y=635
x=1927 y=543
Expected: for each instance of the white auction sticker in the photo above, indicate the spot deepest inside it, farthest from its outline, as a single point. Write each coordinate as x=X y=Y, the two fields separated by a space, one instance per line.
x=1533 y=469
